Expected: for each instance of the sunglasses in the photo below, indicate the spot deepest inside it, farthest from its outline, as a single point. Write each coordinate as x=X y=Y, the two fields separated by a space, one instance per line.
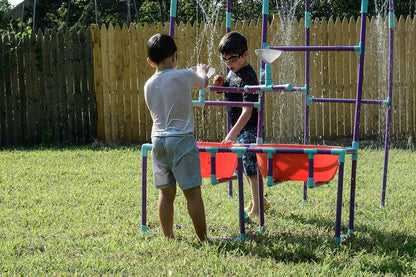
x=232 y=58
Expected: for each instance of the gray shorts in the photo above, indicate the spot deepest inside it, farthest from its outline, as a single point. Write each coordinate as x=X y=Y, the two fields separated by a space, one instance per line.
x=176 y=160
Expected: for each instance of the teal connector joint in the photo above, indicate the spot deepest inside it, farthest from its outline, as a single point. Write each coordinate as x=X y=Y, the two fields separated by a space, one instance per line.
x=307 y=19
x=201 y=100
x=212 y=151
x=340 y=153
x=391 y=20
x=239 y=151
x=270 y=182
x=355 y=145
x=387 y=102
x=261 y=229
x=359 y=48
x=267 y=87
x=143 y=229
x=304 y=89
x=354 y=156
x=311 y=152
x=228 y=20
x=289 y=86
x=173 y=8
x=266 y=7
x=242 y=237
x=214 y=180
x=311 y=183
x=309 y=100
x=269 y=152
x=145 y=148
x=259 y=140
x=364 y=6
x=350 y=231
x=337 y=240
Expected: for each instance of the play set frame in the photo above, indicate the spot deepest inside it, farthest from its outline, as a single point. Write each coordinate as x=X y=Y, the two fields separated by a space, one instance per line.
x=266 y=85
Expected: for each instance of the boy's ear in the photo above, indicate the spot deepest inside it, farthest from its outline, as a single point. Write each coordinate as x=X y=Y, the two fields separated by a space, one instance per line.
x=245 y=55
x=150 y=63
x=175 y=56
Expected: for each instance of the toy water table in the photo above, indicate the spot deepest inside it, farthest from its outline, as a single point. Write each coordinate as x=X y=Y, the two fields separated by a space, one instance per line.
x=310 y=163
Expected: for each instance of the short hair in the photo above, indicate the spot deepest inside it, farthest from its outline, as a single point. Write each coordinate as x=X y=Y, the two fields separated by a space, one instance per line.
x=233 y=43
x=160 y=47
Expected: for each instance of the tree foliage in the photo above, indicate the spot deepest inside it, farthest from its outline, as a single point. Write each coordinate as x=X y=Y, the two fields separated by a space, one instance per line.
x=82 y=13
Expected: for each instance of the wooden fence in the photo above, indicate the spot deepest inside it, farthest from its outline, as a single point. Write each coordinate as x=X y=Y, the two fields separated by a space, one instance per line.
x=121 y=71
x=47 y=89
x=48 y=92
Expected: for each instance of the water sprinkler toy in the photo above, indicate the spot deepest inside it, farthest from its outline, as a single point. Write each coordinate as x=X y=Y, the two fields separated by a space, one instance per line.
x=312 y=164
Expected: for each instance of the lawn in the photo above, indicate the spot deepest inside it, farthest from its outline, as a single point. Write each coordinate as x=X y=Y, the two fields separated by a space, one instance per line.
x=77 y=211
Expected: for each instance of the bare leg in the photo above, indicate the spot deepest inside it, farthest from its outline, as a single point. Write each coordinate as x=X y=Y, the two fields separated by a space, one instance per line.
x=196 y=211
x=165 y=208
x=254 y=186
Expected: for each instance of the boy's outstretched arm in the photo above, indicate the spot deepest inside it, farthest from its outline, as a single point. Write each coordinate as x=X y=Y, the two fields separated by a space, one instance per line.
x=202 y=70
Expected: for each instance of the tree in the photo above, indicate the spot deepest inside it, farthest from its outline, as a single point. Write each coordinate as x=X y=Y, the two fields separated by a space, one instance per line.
x=81 y=13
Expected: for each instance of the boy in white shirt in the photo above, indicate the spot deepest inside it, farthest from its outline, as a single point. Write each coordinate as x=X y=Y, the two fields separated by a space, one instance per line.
x=175 y=154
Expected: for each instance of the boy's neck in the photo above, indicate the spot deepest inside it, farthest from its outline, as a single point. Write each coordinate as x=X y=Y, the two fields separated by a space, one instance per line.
x=161 y=68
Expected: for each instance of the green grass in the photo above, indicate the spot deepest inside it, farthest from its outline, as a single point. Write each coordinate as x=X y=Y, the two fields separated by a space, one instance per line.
x=77 y=211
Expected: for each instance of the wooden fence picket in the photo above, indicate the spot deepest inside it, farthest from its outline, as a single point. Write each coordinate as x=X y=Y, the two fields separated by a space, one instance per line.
x=77 y=86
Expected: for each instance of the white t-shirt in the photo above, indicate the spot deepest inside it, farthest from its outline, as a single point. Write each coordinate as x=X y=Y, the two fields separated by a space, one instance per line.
x=168 y=96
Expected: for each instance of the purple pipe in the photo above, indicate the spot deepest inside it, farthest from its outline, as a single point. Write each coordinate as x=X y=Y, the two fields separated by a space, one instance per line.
x=241 y=198
x=352 y=194
x=388 y=120
x=227 y=70
x=339 y=202
x=307 y=82
x=340 y=100
x=144 y=189
x=260 y=118
x=357 y=117
x=248 y=89
x=314 y=48
x=213 y=169
x=172 y=27
x=360 y=78
x=229 y=104
x=310 y=168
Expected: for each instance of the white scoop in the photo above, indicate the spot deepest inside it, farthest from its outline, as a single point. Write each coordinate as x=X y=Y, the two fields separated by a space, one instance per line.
x=268 y=55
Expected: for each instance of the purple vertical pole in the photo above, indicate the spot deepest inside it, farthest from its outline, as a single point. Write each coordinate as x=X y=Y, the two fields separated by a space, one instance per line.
x=364 y=6
x=261 y=114
x=228 y=29
x=390 y=89
x=144 y=192
x=307 y=80
x=241 y=196
x=173 y=8
x=339 y=201
x=307 y=66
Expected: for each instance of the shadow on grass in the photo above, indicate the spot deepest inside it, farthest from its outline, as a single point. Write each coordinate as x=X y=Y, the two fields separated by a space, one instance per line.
x=377 y=251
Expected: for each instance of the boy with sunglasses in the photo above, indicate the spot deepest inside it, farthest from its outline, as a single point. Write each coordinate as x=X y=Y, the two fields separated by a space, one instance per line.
x=234 y=52
x=175 y=154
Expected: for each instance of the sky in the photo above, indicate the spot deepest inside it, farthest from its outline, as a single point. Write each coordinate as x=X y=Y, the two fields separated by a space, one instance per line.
x=14 y=2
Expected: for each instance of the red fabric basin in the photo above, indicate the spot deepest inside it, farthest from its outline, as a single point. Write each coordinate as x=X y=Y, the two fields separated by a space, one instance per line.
x=295 y=167
x=226 y=162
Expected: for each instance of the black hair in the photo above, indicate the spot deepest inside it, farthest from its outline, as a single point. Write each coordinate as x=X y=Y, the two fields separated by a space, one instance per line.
x=233 y=43
x=160 y=47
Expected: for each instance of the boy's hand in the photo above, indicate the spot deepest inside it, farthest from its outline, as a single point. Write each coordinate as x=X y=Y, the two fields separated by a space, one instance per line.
x=202 y=68
x=218 y=81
